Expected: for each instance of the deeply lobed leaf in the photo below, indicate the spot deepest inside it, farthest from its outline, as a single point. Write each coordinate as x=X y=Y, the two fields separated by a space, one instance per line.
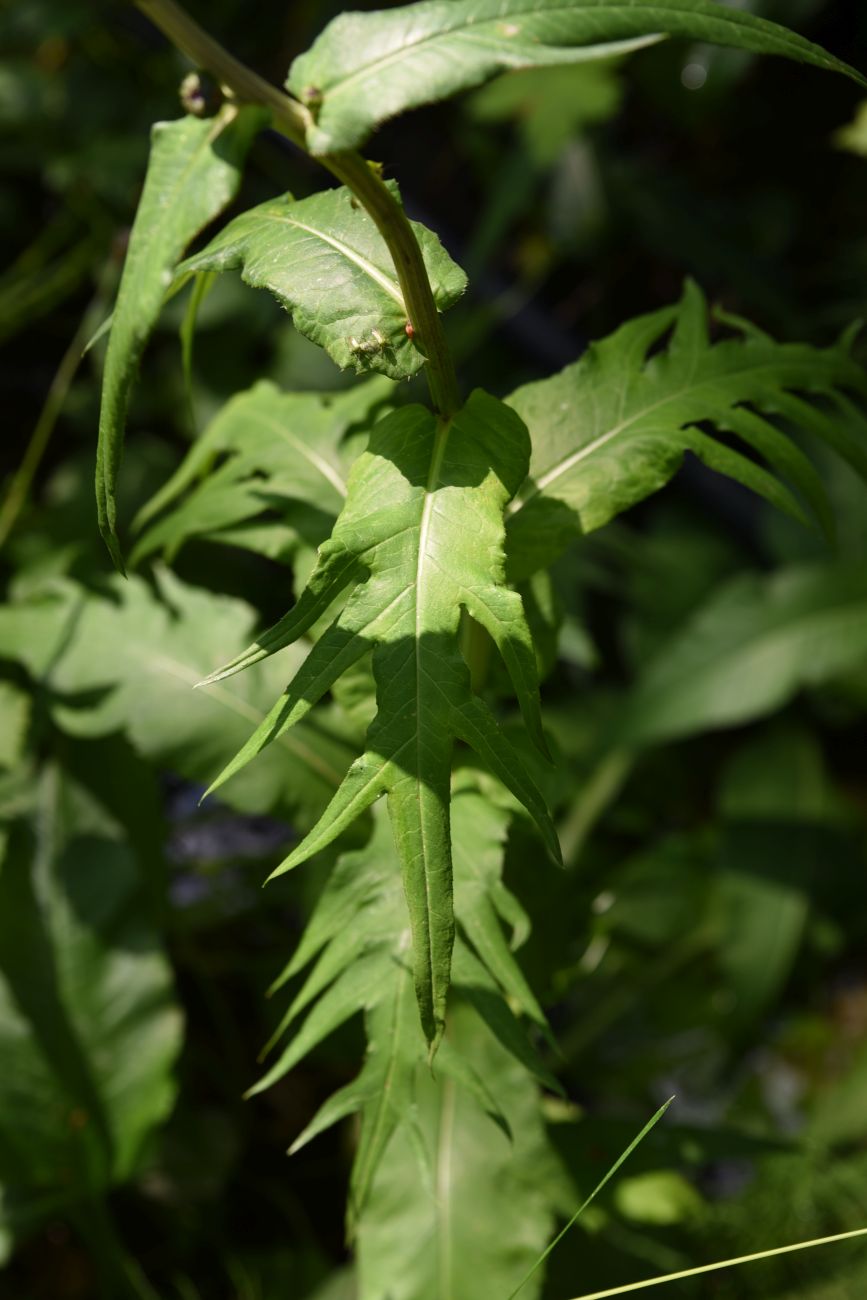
x=128 y=660
x=356 y=951
x=265 y=451
x=89 y=1028
x=420 y=538
x=457 y=1209
x=613 y=427
x=367 y=67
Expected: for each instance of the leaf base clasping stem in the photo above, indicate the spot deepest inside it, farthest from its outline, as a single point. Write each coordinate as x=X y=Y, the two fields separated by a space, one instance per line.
x=291 y=119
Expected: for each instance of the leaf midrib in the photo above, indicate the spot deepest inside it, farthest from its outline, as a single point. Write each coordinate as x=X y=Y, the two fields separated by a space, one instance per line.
x=561 y=467
x=438 y=452
x=169 y=207
x=318 y=462
x=182 y=672
x=351 y=254
x=374 y=67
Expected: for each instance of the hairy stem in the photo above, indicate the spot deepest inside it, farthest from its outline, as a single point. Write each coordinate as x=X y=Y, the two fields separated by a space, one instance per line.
x=291 y=119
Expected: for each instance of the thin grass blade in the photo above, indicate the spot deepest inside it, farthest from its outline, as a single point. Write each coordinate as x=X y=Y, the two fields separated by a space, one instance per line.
x=723 y=1263
x=636 y=1141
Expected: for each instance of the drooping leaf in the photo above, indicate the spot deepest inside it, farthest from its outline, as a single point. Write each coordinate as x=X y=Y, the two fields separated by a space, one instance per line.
x=357 y=949
x=194 y=172
x=457 y=1208
x=419 y=539
x=749 y=649
x=89 y=1029
x=325 y=261
x=359 y=937
x=279 y=448
x=367 y=67
x=128 y=661
x=613 y=427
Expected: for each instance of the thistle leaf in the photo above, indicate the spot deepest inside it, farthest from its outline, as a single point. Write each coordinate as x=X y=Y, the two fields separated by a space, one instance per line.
x=367 y=67
x=482 y=901
x=613 y=427
x=325 y=261
x=89 y=1026
x=446 y=1196
x=356 y=948
x=127 y=660
x=419 y=539
x=194 y=172
x=265 y=450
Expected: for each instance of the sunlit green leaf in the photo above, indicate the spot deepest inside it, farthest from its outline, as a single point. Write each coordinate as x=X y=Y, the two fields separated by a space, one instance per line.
x=325 y=261
x=357 y=951
x=457 y=1189
x=265 y=450
x=613 y=427
x=194 y=172
x=420 y=538
x=368 y=67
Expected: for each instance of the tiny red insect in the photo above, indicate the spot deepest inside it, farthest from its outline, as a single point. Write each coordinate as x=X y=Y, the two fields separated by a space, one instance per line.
x=410 y=330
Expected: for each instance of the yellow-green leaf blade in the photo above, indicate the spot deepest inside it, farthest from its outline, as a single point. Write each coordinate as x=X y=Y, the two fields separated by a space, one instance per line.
x=420 y=538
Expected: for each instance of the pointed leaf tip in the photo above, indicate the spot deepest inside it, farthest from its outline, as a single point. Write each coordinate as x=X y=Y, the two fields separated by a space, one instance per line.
x=369 y=67
x=193 y=172
x=112 y=542
x=419 y=539
x=614 y=427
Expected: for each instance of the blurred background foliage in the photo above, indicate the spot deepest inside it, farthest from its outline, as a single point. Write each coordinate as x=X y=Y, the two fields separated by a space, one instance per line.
x=708 y=937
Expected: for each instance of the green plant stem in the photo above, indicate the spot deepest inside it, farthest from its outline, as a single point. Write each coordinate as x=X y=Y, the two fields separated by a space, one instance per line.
x=393 y=224
x=291 y=119
x=601 y=788
x=19 y=488
x=174 y=22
